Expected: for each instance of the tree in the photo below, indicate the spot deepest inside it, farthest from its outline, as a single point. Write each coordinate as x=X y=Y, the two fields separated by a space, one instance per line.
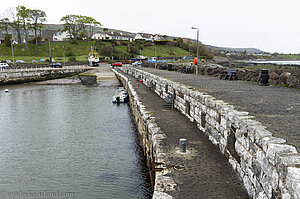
x=4 y=24
x=37 y=18
x=7 y=39
x=23 y=14
x=75 y=24
x=15 y=22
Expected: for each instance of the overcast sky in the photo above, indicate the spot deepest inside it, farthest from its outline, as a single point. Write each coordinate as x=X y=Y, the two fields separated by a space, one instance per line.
x=270 y=25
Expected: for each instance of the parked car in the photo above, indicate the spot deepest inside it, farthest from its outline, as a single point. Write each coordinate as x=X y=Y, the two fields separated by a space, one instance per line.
x=137 y=63
x=8 y=61
x=4 y=65
x=34 y=61
x=20 y=61
x=56 y=65
x=117 y=64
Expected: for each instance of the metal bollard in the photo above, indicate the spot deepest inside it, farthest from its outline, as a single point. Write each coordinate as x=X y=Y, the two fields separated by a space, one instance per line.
x=182 y=145
x=264 y=77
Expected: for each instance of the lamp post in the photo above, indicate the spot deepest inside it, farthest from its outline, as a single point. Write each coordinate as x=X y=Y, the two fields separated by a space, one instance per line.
x=12 y=51
x=154 y=52
x=194 y=28
x=64 y=56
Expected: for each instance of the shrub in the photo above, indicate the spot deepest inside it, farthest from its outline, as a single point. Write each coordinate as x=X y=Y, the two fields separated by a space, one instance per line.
x=73 y=42
x=7 y=39
x=69 y=51
x=72 y=59
x=107 y=51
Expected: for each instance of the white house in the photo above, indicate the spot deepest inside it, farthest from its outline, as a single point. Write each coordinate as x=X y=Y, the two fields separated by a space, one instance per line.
x=148 y=37
x=119 y=36
x=157 y=37
x=61 y=36
x=145 y=36
x=101 y=36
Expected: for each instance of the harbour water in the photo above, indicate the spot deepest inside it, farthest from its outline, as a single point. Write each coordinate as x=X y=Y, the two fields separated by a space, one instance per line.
x=284 y=63
x=69 y=141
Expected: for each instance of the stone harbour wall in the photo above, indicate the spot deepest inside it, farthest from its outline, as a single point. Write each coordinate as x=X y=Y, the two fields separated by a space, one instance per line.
x=39 y=75
x=151 y=138
x=267 y=165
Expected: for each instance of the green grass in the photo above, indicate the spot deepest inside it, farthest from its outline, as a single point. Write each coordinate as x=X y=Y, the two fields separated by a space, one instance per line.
x=164 y=51
x=270 y=67
x=289 y=56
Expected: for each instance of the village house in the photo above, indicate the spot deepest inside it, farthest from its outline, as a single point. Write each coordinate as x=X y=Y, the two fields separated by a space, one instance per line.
x=119 y=36
x=148 y=37
x=61 y=36
x=101 y=36
x=145 y=36
x=1 y=40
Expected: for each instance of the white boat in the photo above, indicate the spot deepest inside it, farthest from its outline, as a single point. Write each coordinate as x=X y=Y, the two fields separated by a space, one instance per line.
x=93 y=59
x=120 y=96
x=6 y=90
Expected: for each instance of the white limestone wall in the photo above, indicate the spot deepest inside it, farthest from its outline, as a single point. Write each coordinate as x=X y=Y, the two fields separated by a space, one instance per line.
x=151 y=138
x=267 y=166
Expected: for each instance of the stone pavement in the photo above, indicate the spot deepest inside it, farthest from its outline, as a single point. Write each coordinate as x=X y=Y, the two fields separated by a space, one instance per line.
x=207 y=173
x=277 y=108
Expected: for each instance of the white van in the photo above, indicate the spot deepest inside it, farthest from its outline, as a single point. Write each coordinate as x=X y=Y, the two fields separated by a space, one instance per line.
x=3 y=65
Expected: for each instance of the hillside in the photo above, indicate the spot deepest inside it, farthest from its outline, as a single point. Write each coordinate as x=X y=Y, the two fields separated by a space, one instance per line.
x=80 y=50
x=248 y=50
x=50 y=29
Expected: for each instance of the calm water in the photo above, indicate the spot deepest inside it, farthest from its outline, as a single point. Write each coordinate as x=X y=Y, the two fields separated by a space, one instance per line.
x=70 y=141
x=296 y=62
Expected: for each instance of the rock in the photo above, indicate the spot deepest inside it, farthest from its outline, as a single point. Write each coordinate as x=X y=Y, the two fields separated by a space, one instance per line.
x=221 y=61
x=274 y=76
x=283 y=77
x=293 y=81
x=88 y=79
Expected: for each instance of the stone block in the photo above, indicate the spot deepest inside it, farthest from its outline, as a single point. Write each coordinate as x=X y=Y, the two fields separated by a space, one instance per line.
x=293 y=181
x=284 y=160
x=261 y=195
x=213 y=113
x=266 y=141
x=274 y=149
x=224 y=122
x=233 y=162
x=249 y=186
x=263 y=161
x=243 y=153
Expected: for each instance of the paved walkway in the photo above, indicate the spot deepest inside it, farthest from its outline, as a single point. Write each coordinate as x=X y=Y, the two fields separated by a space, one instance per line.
x=277 y=108
x=207 y=173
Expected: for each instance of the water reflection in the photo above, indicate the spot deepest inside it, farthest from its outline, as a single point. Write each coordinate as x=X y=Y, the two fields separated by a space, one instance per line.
x=69 y=138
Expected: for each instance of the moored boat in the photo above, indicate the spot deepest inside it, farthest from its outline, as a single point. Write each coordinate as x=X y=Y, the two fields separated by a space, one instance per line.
x=120 y=96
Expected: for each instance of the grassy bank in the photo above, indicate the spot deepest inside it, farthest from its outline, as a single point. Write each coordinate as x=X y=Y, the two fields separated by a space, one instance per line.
x=80 y=50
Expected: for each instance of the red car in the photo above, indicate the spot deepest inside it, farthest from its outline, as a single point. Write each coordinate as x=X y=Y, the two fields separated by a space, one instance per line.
x=117 y=64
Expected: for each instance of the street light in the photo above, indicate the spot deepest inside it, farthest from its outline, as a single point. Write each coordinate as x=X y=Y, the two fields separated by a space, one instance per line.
x=194 y=28
x=12 y=51
x=155 y=52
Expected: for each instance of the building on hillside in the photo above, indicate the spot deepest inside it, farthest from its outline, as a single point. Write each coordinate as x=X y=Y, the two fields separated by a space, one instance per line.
x=61 y=36
x=157 y=37
x=119 y=36
x=148 y=37
x=145 y=36
x=112 y=35
x=101 y=36
x=1 y=40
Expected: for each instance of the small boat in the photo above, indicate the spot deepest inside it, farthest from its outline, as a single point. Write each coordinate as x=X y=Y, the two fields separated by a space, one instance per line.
x=93 y=59
x=6 y=90
x=120 y=96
